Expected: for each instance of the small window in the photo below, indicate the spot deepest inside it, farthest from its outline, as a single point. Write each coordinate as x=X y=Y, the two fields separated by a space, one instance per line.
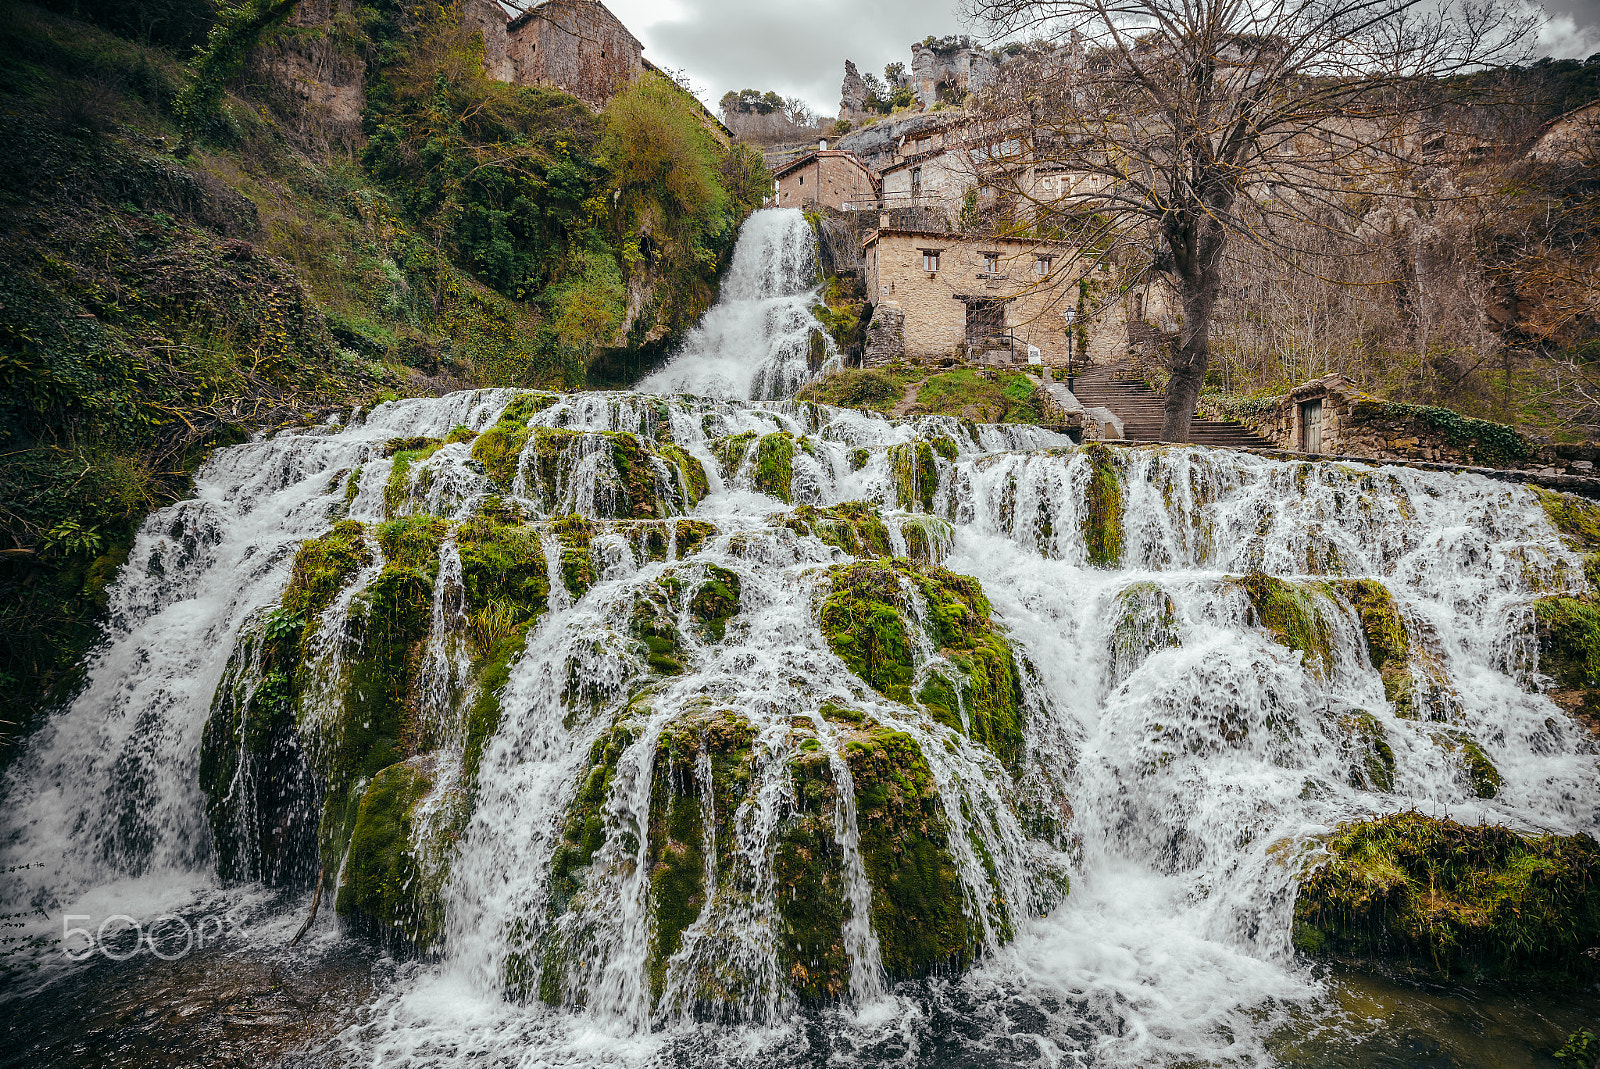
x=991 y=262
x=802 y=179
x=930 y=261
x=1042 y=265
x=916 y=181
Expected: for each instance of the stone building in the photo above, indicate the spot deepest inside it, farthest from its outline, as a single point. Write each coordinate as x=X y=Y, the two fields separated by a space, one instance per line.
x=827 y=177
x=577 y=46
x=985 y=299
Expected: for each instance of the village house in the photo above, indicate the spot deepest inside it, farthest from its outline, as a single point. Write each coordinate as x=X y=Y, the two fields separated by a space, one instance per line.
x=828 y=178
x=984 y=299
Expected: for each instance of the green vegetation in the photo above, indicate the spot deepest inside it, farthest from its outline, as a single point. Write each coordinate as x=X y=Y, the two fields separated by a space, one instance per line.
x=915 y=474
x=854 y=388
x=1292 y=616
x=856 y=527
x=774 y=470
x=153 y=307
x=1569 y=652
x=1445 y=898
x=1388 y=645
x=1578 y=522
x=1102 y=517
x=976 y=691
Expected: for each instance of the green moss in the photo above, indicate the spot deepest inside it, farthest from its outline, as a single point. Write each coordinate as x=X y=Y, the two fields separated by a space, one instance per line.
x=732 y=450
x=915 y=475
x=774 y=472
x=1292 y=616
x=1451 y=899
x=919 y=911
x=1102 y=514
x=1371 y=758
x=1388 y=645
x=925 y=536
x=502 y=565
x=1569 y=640
x=498 y=450
x=253 y=771
x=1578 y=522
x=858 y=459
x=460 y=433
x=1147 y=621
x=856 y=527
x=323 y=566
x=1481 y=775
x=396 y=446
x=978 y=692
x=653 y=622
x=691 y=473
x=413 y=542
x=945 y=446
x=389 y=885
x=716 y=602
x=807 y=867
x=525 y=405
x=576 y=534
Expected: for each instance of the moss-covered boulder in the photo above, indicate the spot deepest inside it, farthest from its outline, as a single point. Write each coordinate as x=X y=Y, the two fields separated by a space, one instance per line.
x=260 y=791
x=774 y=465
x=856 y=527
x=1146 y=622
x=1103 y=508
x=1569 y=653
x=403 y=840
x=1444 y=898
x=1366 y=747
x=1577 y=520
x=1471 y=763
x=914 y=475
x=972 y=686
x=919 y=909
x=323 y=567
x=1293 y=616
x=1388 y=644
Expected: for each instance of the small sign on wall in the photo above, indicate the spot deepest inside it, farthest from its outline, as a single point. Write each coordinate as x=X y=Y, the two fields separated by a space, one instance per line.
x=1035 y=357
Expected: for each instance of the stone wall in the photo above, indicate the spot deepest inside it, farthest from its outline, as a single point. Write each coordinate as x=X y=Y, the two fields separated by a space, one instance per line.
x=578 y=46
x=886 y=336
x=1358 y=425
x=934 y=303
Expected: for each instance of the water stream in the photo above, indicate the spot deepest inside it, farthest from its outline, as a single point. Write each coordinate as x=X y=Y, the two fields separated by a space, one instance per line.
x=1181 y=756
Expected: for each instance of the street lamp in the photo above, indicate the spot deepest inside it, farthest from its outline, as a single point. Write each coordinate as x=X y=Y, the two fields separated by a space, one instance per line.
x=1069 y=315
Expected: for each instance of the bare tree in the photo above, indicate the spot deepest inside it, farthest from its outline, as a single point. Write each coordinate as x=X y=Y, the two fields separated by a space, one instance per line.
x=1179 y=126
x=797 y=111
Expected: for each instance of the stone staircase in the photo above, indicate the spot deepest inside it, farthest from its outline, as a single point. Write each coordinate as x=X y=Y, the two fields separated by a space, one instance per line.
x=1119 y=388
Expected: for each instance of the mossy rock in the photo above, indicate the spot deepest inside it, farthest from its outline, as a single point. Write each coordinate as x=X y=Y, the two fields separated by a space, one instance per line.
x=927 y=538
x=1448 y=899
x=1388 y=644
x=400 y=487
x=527 y=404
x=393 y=879
x=855 y=527
x=1473 y=763
x=1147 y=621
x=715 y=602
x=653 y=622
x=499 y=449
x=1103 y=507
x=258 y=784
x=691 y=473
x=1577 y=520
x=323 y=566
x=505 y=574
x=1366 y=744
x=914 y=473
x=732 y=450
x=919 y=908
x=1568 y=631
x=808 y=876
x=576 y=536
x=1292 y=616
x=976 y=691
x=413 y=542
x=395 y=446
x=774 y=467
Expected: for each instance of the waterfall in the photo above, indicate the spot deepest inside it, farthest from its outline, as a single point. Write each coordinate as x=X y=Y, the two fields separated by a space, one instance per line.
x=689 y=720
x=761 y=339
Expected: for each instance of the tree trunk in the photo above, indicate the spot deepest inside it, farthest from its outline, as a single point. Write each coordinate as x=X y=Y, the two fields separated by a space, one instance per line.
x=1189 y=360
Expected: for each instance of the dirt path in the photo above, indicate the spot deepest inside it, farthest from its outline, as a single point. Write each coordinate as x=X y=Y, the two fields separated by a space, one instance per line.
x=908 y=401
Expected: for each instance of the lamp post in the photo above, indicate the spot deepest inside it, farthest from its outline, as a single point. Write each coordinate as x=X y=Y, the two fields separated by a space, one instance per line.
x=1069 y=315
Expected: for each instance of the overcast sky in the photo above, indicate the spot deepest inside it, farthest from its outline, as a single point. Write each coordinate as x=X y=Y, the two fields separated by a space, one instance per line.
x=799 y=48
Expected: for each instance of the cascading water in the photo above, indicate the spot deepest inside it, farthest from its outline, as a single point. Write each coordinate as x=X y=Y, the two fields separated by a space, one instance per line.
x=760 y=340
x=697 y=731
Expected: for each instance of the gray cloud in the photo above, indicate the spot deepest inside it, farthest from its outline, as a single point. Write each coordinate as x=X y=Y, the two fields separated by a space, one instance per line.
x=799 y=49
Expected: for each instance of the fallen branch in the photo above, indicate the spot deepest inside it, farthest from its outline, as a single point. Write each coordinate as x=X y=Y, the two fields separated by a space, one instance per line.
x=316 y=900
